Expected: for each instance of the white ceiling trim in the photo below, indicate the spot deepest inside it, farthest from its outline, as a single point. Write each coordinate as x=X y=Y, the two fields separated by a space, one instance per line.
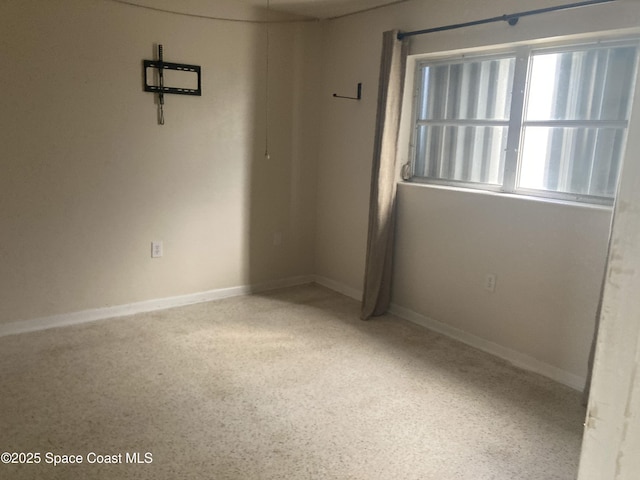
x=288 y=18
x=364 y=10
x=255 y=11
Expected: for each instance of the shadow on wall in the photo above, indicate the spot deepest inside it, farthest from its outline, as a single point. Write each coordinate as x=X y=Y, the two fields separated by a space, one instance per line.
x=282 y=175
x=90 y=179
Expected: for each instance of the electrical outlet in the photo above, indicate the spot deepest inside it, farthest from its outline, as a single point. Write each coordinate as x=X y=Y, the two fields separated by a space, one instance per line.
x=156 y=249
x=490 y=282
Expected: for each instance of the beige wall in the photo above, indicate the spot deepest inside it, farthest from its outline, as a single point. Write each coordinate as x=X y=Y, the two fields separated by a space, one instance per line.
x=549 y=258
x=89 y=179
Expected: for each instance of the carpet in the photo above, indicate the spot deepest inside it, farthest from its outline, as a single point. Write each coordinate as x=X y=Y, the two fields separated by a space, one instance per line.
x=289 y=384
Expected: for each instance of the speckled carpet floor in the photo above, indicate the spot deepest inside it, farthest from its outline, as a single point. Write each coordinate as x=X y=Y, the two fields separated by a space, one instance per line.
x=284 y=385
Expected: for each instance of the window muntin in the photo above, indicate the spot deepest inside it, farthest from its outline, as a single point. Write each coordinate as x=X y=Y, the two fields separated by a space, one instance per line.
x=575 y=121
x=568 y=140
x=462 y=120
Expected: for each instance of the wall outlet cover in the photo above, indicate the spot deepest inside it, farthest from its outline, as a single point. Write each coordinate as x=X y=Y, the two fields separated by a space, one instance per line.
x=490 y=282
x=157 y=249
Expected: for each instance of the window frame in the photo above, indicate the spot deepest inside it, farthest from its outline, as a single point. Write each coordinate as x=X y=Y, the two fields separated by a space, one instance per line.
x=523 y=55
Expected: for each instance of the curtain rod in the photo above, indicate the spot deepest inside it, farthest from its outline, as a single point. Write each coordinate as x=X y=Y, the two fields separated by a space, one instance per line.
x=511 y=18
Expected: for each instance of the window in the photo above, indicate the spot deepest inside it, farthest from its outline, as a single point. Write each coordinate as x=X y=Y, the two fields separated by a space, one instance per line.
x=536 y=121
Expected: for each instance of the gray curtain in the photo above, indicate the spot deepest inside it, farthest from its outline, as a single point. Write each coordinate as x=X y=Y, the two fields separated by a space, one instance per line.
x=379 y=261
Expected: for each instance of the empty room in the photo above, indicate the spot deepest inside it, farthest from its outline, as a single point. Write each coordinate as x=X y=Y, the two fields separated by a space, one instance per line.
x=320 y=239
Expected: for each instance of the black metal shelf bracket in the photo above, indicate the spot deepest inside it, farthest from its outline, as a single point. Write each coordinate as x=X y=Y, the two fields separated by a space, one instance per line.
x=358 y=97
x=161 y=88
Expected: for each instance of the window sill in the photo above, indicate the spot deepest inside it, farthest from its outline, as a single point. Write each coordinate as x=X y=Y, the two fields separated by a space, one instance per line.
x=508 y=196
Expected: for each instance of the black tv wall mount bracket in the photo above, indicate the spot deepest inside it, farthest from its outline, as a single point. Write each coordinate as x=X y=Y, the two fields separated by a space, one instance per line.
x=161 y=88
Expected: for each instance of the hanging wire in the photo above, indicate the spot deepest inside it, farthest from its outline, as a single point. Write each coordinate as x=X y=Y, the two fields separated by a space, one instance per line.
x=267 y=155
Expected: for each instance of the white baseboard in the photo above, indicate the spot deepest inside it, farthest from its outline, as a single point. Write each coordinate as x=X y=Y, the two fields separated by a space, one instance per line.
x=93 y=315
x=516 y=358
x=338 y=287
